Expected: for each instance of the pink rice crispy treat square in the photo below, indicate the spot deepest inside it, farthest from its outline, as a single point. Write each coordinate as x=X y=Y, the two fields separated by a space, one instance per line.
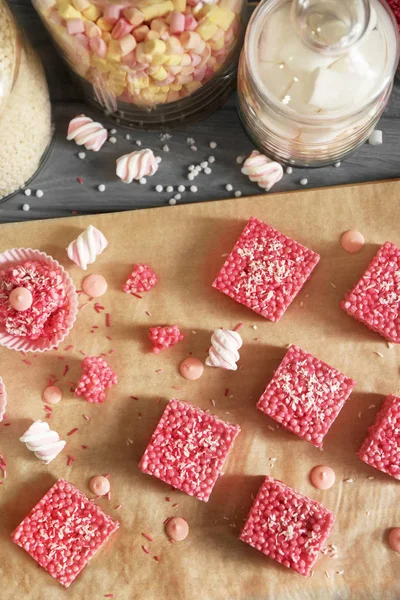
x=287 y=526
x=64 y=531
x=375 y=299
x=188 y=449
x=265 y=270
x=381 y=447
x=305 y=395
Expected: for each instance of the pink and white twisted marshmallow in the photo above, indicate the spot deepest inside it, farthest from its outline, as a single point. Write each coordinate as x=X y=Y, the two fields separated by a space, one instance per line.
x=138 y=164
x=262 y=170
x=45 y=444
x=88 y=245
x=86 y=132
x=224 y=349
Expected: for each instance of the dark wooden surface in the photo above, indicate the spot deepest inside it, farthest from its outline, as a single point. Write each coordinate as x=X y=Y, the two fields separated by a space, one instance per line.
x=63 y=194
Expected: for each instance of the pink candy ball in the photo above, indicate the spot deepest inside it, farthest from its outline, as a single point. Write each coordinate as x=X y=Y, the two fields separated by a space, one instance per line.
x=322 y=477
x=52 y=394
x=20 y=299
x=177 y=529
x=99 y=485
x=94 y=285
x=191 y=368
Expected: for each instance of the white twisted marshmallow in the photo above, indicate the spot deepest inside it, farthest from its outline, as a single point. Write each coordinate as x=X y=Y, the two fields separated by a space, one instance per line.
x=88 y=245
x=43 y=442
x=224 y=349
x=86 y=132
x=262 y=170
x=138 y=164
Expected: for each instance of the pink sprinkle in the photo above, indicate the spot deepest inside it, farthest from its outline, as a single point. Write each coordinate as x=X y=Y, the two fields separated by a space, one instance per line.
x=84 y=306
x=48 y=408
x=147 y=537
x=82 y=352
x=66 y=369
x=27 y=362
x=48 y=415
x=6 y=424
x=108 y=595
x=226 y=391
x=158 y=400
x=69 y=347
x=238 y=326
x=86 y=417
x=148 y=313
x=137 y=296
x=134 y=397
x=176 y=504
x=175 y=387
x=70 y=460
x=60 y=357
x=168 y=499
x=117 y=507
x=109 y=337
x=108 y=320
x=107 y=475
x=73 y=431
x=145 y=550
x=166 y=520
x=112 y=351
x=83 y=447
x=79 y=179
x=159 y=370
x=156 y=558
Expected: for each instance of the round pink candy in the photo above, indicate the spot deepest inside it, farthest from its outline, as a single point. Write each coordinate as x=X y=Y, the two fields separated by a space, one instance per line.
x=20 y=299
x=322 y=477
x=394 y=539
x=352 y=241
x=191 y=368
x=177 y=529
x=94 y=285
x=99 y=485
x=52 y=394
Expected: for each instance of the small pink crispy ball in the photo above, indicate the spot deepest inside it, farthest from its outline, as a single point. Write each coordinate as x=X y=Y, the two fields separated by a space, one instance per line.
x=20 y=299
x=94 y=285
x=322 y=477
x=177 y=529
x=352 y=241
x=52 y=394
x=394 y=539
x=191 y=368
x=99 y=485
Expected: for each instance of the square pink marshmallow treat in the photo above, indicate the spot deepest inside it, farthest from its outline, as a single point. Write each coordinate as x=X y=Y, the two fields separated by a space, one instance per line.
x=375 y=299
x=188 y=449
x=265 y=270
x=305 y=395
x=381 y=447
x=287 y=526
x=64 y=531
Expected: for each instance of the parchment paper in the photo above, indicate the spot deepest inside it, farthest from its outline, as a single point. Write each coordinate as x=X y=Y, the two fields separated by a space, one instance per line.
x=185 y=245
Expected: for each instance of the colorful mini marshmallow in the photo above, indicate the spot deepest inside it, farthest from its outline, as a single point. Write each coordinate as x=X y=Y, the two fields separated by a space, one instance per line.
x=188 y=449
x=305 y=395
x=375 y=299
x=64 y=531
x=381 y=447
x=265 y=270
x=287 y=526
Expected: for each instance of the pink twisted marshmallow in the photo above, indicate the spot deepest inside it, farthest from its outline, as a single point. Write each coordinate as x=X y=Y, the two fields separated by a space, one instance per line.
x=224 y=349
x=43 y=442
x=88 y=245
x=86 y=132
x=136 y=165
x=262 y=170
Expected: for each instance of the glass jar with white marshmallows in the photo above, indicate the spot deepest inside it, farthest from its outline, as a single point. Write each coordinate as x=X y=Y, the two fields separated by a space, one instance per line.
x=315 y=76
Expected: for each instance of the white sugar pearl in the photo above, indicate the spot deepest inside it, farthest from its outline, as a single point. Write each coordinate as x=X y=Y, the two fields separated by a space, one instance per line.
x=143 y=180
x=165 y=148
x=194 y=148
x=190 y=140
x=169 y=189
x=337 y=164
x=127 y=136
x=191 y=167
x=25 y=207
x=304 y=181
x=207 y=171
x=39 y=193
x=211 y=159
x=28 y=192
x=138 y=143
x=229 y=187
x=81 y=155
x=177 y=196
x=159 y=188
x=238 y=193
x=376 y=138
x=112 y=140
x=213 y=145
x=113 y=131
x=204 y=164
x=190 y=176
x=172 y=201
x=240 y=160
x=193 y=188
x=101 y=187
x=181 y=188
x=289 y=170
x=158 y=159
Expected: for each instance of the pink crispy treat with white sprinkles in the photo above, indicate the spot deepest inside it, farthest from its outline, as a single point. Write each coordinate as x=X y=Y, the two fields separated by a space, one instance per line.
x=381 y=447
x=305 y=395
x=265 y=270
x=142 y=279
x=164 y=336
x=50 y=308
x=188 y=449
x=375 y=299
x=97 y=377
x=64 y=531
x=287 y=526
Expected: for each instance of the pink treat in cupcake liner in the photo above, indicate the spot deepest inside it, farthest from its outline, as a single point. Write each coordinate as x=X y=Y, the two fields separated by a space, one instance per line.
x=55 y=302
x=97 y=377
x=3 y=399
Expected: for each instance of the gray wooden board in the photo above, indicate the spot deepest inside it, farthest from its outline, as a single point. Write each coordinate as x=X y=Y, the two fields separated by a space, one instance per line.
x=63 y=194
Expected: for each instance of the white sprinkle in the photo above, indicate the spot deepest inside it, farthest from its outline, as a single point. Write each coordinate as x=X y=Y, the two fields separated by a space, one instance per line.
x=368 y=512
x=172 y=201
x=211 y=159
x=39 y=193
x=286 y=99
x=212 y=401
x=25 y=207
x=238 y=193
x=158 y=159
x=379 y=354
x=169 y=189
x=190 y=177
x=376 y=138
x=165 y=136
x=229 y=187
x=193 y=188
x=165 y=148
x=112 y=140
x=138 y=143
x=190 y=141
x=181 y=188
x=28 y=192
x=349 y=480
x=101 y=187
x=213 y=145
x=333 y=285
x=359 y=415
x=113 y=131
x=240 y=159
x=371 y=406
x=194 y=332
x=204 y=164
x=224 y=255
x=254 y=326
x=390 y=345
x=81 y=155
x=289 y=170
x=337 y=164
x=127 y=136
x=312 y=573
x=193 y=148
x=207 y=171
x=271 y=428
x=159 y=188
x=191 y=167
x=143 y=180
x=304 y=181
x=370 y=478
x=339 y=572
x=177 y=196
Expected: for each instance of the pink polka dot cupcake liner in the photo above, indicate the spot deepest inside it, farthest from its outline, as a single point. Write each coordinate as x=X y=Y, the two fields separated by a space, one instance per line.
x=25 y=344
x=3 y=399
